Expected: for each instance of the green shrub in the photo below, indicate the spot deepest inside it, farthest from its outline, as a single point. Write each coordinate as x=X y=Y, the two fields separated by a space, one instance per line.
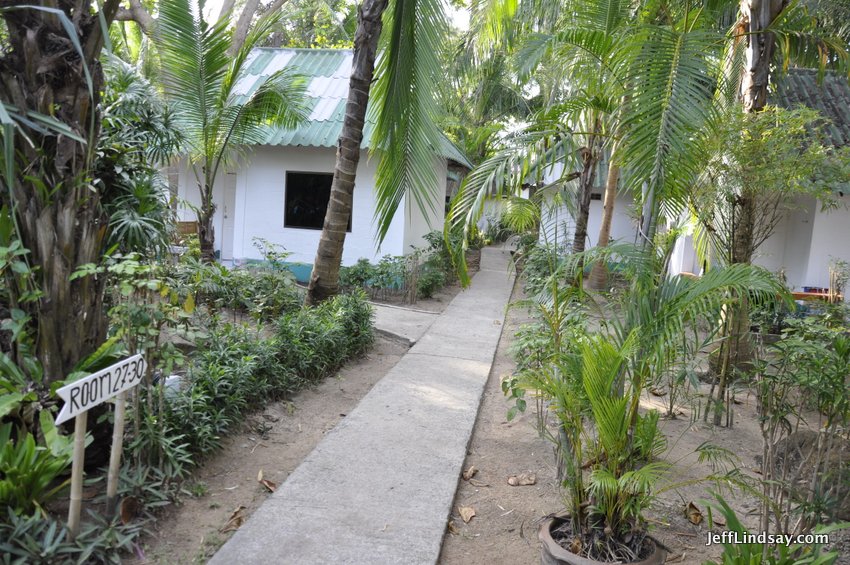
x=314 y=342
x=431 y=279
x=36 y=539
x=357 y=276
x=238 y=370
x=29 y=472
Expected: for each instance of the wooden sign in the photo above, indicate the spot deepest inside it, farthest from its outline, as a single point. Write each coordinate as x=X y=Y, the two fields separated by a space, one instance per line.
x=88 y=392
x=81 y=396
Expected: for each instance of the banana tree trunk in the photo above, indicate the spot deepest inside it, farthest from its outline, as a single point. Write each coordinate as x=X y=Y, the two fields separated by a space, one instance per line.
x=55 y=205
x=599 y=274
x=324 y=280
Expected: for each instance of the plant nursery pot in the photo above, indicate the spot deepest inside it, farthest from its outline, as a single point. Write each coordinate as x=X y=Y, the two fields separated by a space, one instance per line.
x=553 y=554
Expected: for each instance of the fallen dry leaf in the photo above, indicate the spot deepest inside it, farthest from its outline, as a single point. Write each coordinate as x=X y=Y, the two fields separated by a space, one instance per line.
x=469 y=473
x=522 y=480
x=265 y=482
x=693 y=514
x=657 y=392
x=237 y=518
x=466 y=513
x=475 y=483
x=129 y=508
x=453 y=529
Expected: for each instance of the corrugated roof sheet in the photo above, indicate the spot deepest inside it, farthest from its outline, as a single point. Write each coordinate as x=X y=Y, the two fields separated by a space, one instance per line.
x=831 y=98
x=327 y=72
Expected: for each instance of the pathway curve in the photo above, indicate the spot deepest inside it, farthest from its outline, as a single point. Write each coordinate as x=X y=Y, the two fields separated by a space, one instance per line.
x=379 y=487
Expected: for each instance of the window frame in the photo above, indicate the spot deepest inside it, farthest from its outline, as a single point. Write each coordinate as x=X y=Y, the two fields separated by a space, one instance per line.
x=286 y=195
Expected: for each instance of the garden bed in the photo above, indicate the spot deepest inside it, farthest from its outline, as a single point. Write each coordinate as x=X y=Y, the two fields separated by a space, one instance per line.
x=504 y=527
x=273 y=440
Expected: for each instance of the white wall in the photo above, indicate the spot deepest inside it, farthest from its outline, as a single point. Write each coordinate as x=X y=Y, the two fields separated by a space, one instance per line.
x=557 y=225
x=260 y=191
x=418 y=224
x=830 y=238
x=788 y=248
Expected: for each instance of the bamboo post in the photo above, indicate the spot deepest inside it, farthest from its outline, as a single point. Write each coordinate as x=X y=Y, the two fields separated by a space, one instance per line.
x=115 y=453
x=77 y=474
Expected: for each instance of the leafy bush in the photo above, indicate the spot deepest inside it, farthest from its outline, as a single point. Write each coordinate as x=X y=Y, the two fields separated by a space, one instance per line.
x=238 y=369
x=316 y=342
x=264 y=292
x=358 y=275
x=36 y=539
x=431 y=279
x=29 y=472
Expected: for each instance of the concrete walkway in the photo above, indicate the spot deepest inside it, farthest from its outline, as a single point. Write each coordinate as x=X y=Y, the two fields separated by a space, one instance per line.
x=403 y=324
x=379 y=487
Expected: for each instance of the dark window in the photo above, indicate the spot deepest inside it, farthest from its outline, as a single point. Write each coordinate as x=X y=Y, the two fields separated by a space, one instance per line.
x=596 y=196
x=307 y=196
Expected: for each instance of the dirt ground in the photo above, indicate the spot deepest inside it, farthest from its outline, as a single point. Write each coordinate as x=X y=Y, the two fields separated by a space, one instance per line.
x=273 y=441
x=504 y=528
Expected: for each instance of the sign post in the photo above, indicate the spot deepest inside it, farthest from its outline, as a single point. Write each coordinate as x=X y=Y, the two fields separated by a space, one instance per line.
x=81 y=396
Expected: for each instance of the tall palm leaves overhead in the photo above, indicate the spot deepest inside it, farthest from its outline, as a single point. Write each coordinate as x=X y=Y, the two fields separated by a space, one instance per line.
x=405 y=108
x=672 y=82
x=658 y=70
x=215 y=116
x=405 y=137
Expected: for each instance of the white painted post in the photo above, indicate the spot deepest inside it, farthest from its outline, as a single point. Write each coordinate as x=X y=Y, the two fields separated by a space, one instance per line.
x=115 y=453
x=77 y=474
x=81 y=396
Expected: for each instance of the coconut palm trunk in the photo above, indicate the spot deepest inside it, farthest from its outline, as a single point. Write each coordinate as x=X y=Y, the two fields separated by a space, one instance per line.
x=55 y=205
x=599 y=274
x=324 y=280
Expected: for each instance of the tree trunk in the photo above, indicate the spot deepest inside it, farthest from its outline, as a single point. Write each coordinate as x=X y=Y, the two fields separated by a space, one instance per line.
x=590 y=160
x=736 y=353
x=756 y=16
x=324 y=280
x=599 y=274
x=55 y=204
x=243 y=24
x=206 y=233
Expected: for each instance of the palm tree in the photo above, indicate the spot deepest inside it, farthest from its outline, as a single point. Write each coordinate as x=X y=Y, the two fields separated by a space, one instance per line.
x=767 y=36
x=405 y=130
x=215 y=117
x=50 y=85
x=662 y=64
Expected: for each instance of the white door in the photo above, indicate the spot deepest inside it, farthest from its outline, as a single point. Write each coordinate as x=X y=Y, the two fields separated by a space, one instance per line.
x=228 y=217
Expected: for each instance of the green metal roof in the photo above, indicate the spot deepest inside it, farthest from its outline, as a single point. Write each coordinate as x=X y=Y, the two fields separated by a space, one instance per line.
x=831 y=98
x=327 y=72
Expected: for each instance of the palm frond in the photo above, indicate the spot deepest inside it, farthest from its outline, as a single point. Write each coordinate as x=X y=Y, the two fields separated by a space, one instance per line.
x=403 y=101
x=672 y=84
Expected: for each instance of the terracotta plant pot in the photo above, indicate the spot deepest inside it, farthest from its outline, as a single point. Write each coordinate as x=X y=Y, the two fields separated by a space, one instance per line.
x=553 y=554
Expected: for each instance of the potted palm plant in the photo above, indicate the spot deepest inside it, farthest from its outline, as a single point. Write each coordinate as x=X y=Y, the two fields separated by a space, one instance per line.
x=606 y=456
x=607 y=449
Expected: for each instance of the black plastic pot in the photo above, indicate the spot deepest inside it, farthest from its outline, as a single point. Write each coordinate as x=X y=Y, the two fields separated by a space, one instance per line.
x=553 y=554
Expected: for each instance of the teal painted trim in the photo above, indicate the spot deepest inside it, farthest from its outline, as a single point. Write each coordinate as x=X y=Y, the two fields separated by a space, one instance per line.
x=301 y=271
